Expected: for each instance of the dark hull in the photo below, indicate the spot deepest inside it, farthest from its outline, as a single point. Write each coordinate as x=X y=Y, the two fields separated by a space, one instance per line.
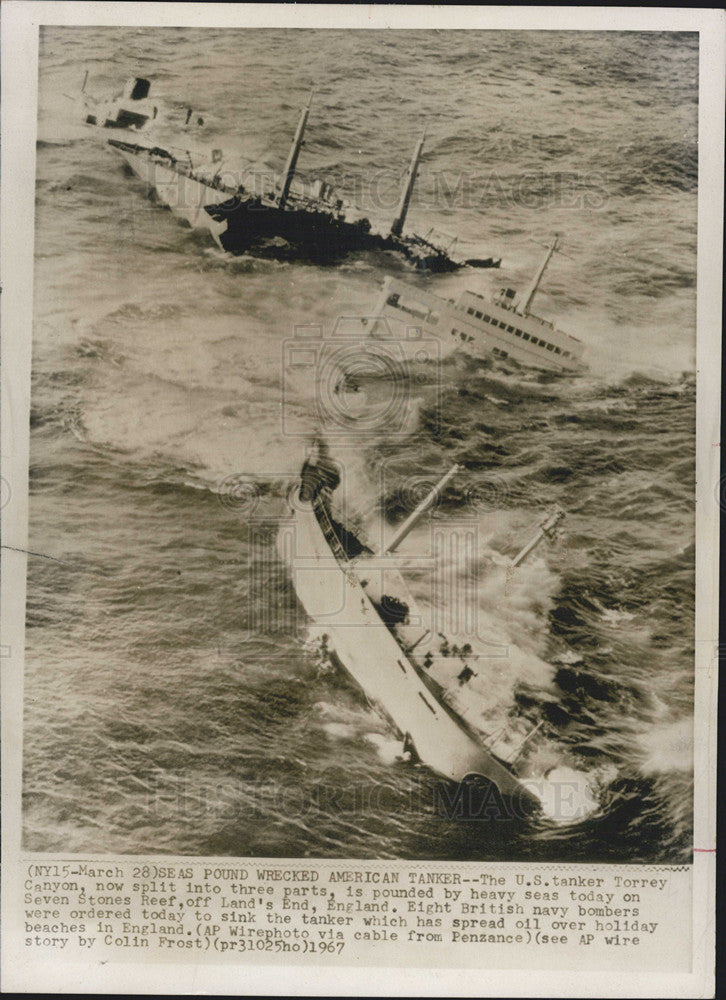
x=287 y=233
x=254 y=226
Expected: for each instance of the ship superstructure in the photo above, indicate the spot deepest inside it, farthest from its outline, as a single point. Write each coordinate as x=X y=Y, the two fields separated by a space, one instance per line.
x=131 y=109
x=501 y=327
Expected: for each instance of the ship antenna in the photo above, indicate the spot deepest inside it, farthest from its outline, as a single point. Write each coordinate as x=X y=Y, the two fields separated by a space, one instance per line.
x=551 y=248
x=397 y=227
x=289 y=171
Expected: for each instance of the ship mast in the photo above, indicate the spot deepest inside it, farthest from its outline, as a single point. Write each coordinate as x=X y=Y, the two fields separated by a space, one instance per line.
x=546 y=530
x=397 y=227
x=551 y=248
x=410 y=523
x=289 y=171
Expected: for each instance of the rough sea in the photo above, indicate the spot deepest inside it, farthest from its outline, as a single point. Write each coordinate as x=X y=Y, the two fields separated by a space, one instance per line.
x=176 y=699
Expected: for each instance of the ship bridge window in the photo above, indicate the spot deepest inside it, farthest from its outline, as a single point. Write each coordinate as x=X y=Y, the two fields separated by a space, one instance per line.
x=565 y=354
x=550 y=347
x=499 y=354
x=471 y=311
x=510 y=329
x=479 y=315
x=487 y=319
x=558 y=350
x=518 y=333
x=525 y=336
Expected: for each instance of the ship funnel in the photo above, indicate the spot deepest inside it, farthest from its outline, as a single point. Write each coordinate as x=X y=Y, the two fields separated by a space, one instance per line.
x=529 y=297
x=412 y=520
x=289 y=171
x=402 y=211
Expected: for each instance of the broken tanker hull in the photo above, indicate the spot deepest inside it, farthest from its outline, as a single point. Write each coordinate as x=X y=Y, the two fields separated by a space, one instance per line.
x=335 y=600
x=251 y=226
x=292 y=229
x=241 y=225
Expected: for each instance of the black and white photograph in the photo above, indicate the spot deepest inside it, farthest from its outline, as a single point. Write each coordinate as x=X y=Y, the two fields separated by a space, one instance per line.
x=362 y=456
x=360 y=498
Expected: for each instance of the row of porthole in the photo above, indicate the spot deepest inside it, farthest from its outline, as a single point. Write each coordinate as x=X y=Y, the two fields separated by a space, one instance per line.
x=517 y=332
x=468 y=338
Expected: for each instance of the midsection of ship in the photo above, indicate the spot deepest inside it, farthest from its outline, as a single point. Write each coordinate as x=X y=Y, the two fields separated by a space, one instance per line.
x=283 y=223
x=305 y=229
x=364 y=606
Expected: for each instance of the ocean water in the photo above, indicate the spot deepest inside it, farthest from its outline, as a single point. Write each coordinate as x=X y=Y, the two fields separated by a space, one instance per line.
x=176 y=698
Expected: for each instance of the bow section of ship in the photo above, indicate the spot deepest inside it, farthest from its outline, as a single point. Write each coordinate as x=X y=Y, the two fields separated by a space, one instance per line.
x=363 y=604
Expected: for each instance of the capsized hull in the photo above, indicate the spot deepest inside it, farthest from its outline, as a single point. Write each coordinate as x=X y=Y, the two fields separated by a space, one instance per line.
x=335 y=600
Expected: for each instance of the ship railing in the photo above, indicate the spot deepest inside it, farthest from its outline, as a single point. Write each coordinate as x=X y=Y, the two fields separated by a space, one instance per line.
x=354 y=525
x=437 y=234
x=321 y=205
x=392 y=302
x=499 y=301
x=423 y=241
x=504 y=303
x=320 y=506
